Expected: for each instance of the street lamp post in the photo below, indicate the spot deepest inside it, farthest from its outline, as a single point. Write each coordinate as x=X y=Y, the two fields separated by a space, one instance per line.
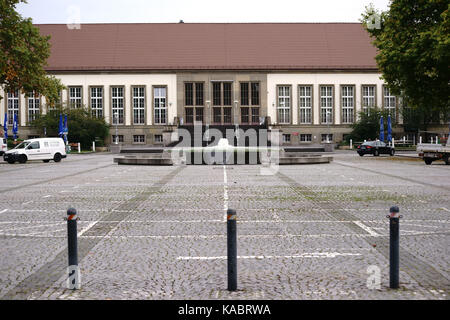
x=115 y=120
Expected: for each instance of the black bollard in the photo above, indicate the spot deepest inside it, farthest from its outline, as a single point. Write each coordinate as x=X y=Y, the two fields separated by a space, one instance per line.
x=394 y=257
x=232 y=249
x=72 y=247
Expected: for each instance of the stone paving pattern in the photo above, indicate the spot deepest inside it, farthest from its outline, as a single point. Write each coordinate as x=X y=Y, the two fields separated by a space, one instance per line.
x=159 y=232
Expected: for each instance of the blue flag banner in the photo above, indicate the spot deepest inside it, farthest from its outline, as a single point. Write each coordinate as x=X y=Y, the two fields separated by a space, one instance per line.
x=389 y=129
x=15 y=126
x=5 y=125
x=381 y=129
x=60 y=129
x=65 y=128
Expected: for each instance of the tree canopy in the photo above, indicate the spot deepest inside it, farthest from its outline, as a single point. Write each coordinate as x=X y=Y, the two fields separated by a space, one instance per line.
x=368 y=125
x=23 y=55
x=413 y=44
x=83 y=127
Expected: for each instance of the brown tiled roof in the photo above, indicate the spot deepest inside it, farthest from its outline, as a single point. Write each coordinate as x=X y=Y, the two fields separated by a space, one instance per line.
x=210 y=46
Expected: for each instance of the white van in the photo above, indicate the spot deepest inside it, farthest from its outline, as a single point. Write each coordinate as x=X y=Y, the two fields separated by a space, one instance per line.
x=44 y=149
x=3 y=146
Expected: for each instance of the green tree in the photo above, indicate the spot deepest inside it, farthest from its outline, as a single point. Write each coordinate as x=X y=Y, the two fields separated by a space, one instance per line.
x=413 y=55
x=83 y=127
x=23 y=55
x=368 y=125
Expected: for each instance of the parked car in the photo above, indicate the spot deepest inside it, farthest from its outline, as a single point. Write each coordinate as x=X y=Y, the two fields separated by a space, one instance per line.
x=3 y=146
x=376 y=148
x=44 y=149
x=430 y=152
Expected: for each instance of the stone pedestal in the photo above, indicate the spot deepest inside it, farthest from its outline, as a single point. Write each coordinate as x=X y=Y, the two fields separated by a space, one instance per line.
x=115 y=148
x=328 y=146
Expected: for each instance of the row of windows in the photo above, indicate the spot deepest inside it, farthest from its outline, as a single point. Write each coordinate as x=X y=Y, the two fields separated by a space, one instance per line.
x=307 y=137
x=326 y=103
x=249 y=94
x=222 y=115
x=137 y=138
x=33 y=101
x=97 y=103
x=221 y=93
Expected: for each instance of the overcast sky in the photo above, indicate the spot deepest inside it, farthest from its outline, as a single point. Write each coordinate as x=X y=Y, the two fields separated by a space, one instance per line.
x=101 y=11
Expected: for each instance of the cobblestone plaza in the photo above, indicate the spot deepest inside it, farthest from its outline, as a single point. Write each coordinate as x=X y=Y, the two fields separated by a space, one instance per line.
x=147 y=232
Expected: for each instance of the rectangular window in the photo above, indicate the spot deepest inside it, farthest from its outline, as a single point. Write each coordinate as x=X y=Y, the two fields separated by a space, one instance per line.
x=158 y=138
x=327 y=137
x=160 y=97
x=217 y=115
x=245 y=114
x=189 y=94
x=244 y=94
x=120 y=138
x=199 y=114
x=389 y=102
x=255 y=93
x=189 y=115
x=250 y=93
x=193 y=93
x=368 y=98
x=348 y=103
x=138 y=105
x=217 y=94
x=34 y=106
x=305 y=104
x=97 y=102
x=255 y=115
x=139 y=138
x=305 y=138
x=227 y=94
x=75 y=98
x=222 y=94
x=286 y=138
x=227 y=115
x=284 y=104
x=13 y=106
x=326 y=104
x=117 y=102
x=199 y=94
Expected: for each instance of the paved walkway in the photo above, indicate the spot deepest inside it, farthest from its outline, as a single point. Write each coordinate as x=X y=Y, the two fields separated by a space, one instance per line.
x=304 y=232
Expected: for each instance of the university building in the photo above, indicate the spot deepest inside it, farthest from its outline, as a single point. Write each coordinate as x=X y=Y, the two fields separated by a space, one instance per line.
x=310 y=80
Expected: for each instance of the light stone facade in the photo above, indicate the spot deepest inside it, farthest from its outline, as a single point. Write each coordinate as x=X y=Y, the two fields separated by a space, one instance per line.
x=175 y=100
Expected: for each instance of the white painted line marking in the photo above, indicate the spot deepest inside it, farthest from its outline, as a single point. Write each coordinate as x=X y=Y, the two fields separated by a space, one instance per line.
x=47 y=196
x=89 y=226
x=419 y=225
x=214 y=220
x=303 y=255
x=26 y=203
x=4 y=210
x=365 y=228
x=34 y=226
x=224 y=236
